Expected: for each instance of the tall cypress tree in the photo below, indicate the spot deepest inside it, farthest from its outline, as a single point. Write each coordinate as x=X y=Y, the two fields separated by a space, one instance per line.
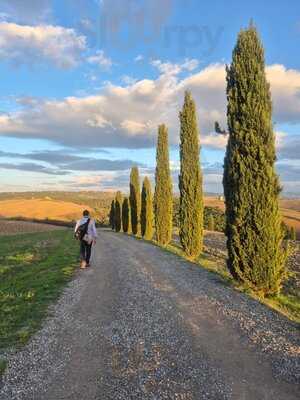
x=163 y=201
x=118 y=212
x=125 y=215
x=112 y=215
x=147 y=210
x=293 y=234
x=190 y=181
x=129 y=230
x=251 y=186
x=135 y=200
x=211 y=223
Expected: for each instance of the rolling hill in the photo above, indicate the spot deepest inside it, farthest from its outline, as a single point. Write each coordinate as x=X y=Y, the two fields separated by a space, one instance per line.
x=41 y=209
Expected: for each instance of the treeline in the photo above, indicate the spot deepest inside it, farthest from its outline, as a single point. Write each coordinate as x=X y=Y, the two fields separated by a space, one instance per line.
x=252 y=223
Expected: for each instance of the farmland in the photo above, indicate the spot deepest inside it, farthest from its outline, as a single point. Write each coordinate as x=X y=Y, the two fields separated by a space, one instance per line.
x=68 y=206
x=8 y=227
x=58 y=206
x=41 y=209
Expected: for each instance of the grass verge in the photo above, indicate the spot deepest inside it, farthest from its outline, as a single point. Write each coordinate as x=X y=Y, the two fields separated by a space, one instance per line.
x=3 y=364
x=34 y=268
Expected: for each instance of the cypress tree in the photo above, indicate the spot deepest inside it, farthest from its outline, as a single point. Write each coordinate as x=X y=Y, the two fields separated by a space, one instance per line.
x=251 y=186
x=112 y=215
x=118 y=212
x=211 y=223
x=147 y=210
x=135 y=200
x=129 y=230
x=163 y=202
x=125 y=215
x=293 y=234
x=190 y=181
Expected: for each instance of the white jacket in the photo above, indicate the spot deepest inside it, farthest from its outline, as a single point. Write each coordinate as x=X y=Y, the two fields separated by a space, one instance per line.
x=92 y=231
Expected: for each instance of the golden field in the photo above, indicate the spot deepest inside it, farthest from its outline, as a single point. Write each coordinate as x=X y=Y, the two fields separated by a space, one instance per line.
x=41 y=209
x=66 y=206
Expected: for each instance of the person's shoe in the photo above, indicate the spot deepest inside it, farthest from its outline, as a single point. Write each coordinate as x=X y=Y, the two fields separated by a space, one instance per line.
x=88 y=265
x=83 y=264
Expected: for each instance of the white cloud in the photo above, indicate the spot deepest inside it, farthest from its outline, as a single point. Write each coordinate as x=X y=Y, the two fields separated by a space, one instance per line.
x=128 y=116
x=24 y=44
x=174 y=69
x=100 y=60
x=128 y=80
x=139 y=58
x=214 y=141
x=97 y=122
x=190 y=64
x=133 y=127
x=285 y=85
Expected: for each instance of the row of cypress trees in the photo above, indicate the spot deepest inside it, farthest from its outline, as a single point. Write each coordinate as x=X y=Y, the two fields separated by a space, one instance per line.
x=142 y=206
x=256 y=256
x=133 y=214
x=190 y=184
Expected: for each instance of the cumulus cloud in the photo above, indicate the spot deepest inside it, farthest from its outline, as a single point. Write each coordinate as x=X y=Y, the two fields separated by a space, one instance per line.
x=120 y=116
x=127 y=116
x=24 y=44
x=100 y=60
x=285 y=86
x=174 y=69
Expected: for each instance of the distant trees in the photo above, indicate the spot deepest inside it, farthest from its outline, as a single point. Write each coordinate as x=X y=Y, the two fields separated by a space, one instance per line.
x=253 y=223
x=118 y=212
x=126 y=220
x=112 y=215
x=163 y=202
x=147 y=210
x=190 y=181
x=135 y=200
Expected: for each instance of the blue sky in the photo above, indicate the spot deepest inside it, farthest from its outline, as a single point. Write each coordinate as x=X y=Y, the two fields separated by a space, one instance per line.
x=84 y=85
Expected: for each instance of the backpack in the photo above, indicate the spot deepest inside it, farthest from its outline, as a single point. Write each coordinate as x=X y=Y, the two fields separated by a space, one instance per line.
x=81 y=231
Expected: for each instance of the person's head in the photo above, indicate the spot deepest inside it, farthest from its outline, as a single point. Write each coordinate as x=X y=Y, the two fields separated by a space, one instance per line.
x=86 y=213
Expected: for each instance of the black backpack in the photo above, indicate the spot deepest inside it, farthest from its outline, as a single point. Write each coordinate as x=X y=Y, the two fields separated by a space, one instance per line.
x=82 y=230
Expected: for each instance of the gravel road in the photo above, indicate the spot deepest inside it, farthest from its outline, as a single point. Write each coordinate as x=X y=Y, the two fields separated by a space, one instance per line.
x=144 y=324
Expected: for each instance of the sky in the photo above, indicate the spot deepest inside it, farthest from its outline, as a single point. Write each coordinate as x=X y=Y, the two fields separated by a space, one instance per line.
x=84 y=85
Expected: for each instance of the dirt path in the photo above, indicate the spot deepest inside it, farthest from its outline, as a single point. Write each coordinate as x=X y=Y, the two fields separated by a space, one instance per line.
x=143 y=324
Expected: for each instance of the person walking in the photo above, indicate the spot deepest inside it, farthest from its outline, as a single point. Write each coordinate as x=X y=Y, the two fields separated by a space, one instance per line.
x=86 y=233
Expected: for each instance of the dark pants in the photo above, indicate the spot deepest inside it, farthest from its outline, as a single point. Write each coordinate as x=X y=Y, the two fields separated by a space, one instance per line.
x=85 y=251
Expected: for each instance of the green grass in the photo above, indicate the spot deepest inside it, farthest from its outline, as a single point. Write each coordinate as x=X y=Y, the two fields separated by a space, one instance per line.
x=34 y=268
x=3 y=364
